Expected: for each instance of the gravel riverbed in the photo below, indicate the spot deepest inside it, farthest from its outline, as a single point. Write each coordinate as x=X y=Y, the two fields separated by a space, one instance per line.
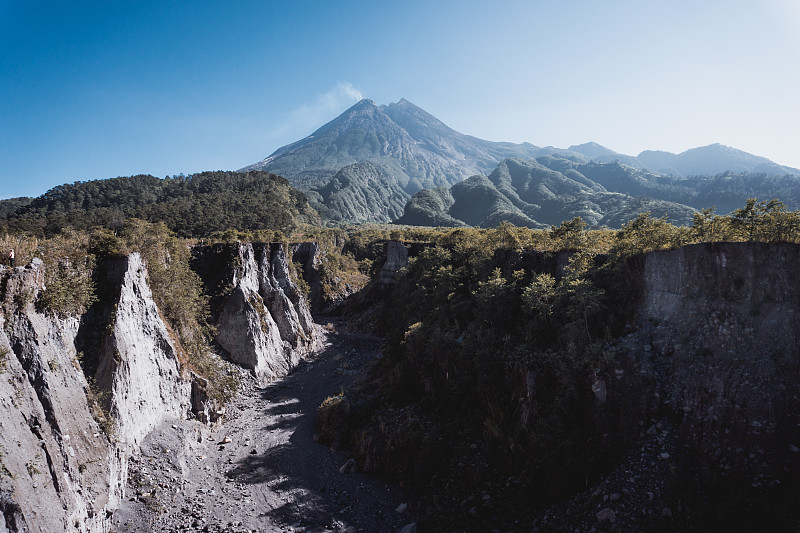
x=260 y=470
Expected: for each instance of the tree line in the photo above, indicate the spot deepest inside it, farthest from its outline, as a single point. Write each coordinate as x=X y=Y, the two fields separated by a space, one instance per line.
x=191 y=206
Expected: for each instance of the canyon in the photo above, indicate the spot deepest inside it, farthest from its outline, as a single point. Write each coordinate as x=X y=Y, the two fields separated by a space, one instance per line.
x=127 y=438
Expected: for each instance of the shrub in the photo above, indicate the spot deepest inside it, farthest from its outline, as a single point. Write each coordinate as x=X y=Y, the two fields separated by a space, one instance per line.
x=331 y=417
x=68 y=288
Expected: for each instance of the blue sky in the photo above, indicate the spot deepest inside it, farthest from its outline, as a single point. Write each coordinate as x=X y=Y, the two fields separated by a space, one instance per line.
x=99 y=89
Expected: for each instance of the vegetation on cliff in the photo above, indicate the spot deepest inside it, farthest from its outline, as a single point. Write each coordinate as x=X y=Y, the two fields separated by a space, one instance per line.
x=502 y=356
x=74 y=285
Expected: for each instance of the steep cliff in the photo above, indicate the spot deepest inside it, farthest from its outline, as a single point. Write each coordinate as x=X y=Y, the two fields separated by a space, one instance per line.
x=665 y=378
x=396 y=259
x=719 y=323
x=263 y=321
x=58 y=471
x=331 y=273
x=309 y=256
x=138 y=360
x=66 y=438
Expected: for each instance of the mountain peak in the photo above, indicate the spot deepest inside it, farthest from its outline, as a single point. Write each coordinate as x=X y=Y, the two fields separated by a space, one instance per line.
x=590 y=144
x=591 y=149
x=364 y=114
x=364 y=102
x=412 y=148
x=403 y=103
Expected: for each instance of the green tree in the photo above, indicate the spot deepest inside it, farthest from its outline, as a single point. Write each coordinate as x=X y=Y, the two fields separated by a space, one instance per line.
x=570 y=235
x=506 y=236
x=646 y=234
x=705 y=225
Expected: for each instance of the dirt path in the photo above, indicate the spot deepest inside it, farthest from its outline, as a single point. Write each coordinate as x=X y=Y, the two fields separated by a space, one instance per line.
x=261 y=469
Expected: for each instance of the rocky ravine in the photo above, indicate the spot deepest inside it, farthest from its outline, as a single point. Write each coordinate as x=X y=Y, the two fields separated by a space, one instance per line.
x=260 y=469
x=711 y=356
x=58 y=471
x=716 y=349
x=66 y=439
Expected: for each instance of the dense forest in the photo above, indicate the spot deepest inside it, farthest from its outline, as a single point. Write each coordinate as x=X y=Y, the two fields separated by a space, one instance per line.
x=192 y=206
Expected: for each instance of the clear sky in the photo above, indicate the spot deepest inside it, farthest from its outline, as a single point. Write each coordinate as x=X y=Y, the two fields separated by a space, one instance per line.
x=99 y=89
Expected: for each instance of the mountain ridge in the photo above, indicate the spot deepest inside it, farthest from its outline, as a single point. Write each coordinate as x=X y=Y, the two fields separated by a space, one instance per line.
x=410 y=150
x=532 y=194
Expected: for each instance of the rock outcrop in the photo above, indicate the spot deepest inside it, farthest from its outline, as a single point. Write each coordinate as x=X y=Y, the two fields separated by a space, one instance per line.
x=263 y=320
x=58 y=471
x=396 y=258
x=65 y=438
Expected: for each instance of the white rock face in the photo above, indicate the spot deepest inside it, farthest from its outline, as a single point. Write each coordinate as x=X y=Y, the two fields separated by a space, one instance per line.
x=139 y=362
x=265 y=323
x=58 y=470
x=287 y=306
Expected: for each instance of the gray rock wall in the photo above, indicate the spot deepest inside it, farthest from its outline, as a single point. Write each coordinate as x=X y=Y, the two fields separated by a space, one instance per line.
x=309 y=256
x=396 y=259
x=58 y=470
x=720 y=325
x=138 y=360
x=65 y=440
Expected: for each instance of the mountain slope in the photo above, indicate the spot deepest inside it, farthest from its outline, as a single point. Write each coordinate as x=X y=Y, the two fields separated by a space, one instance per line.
x=701 y=161
x=530 y=194
x=359 y=193
x=726 y=191
x=411 y=149
x=601 y=154
x=414 y=149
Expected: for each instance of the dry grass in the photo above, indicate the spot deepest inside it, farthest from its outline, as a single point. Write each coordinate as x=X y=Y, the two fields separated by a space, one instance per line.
x=25 y=249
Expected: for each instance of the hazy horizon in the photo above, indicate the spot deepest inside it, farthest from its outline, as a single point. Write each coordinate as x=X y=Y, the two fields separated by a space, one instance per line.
x=100 y=90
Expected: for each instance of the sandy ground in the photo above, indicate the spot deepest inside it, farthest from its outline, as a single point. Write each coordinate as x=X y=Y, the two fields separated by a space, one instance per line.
x=260 y=470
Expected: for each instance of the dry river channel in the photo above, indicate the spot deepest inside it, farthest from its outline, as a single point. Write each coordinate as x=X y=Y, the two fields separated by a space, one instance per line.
x=260 y=470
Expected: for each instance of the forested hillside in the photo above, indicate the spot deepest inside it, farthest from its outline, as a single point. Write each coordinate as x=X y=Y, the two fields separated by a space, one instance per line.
x=359 y=193
x=544 y=191
x=540 y=194
x=726 y=190
x=191 y=206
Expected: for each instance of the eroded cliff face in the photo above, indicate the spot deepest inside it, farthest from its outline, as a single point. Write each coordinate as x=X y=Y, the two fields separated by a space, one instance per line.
x=64 y=457
x=58 y=471
x=309 y=256
x=263 y=321
x=396 y=259
x=138 y=361
x=719 y=326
